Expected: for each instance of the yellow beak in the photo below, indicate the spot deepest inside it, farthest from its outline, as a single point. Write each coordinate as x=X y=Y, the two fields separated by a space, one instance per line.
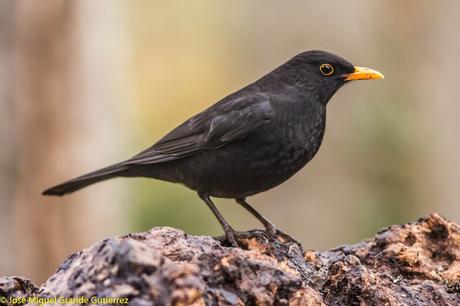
x=363 y=73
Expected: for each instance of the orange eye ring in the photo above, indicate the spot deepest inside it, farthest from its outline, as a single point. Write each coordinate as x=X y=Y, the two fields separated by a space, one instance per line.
x=326 y=69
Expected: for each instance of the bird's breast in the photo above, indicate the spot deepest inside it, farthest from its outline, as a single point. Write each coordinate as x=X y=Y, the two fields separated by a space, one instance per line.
x=285 y=148
x=299 y=145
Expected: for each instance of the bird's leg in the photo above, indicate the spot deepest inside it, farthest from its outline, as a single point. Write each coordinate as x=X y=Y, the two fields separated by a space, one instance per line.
x=269 y=226
x=229 y=231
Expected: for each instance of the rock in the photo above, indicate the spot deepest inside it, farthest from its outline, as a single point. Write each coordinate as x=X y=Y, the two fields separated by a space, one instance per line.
x=411 y=264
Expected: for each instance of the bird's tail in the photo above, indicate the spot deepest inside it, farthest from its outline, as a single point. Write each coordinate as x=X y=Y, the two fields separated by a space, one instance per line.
x=87 y=179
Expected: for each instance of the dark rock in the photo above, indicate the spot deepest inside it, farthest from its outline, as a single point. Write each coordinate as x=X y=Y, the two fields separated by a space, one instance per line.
x=413 y=264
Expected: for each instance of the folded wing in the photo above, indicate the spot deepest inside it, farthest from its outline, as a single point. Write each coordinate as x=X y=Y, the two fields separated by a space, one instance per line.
x=223 y=124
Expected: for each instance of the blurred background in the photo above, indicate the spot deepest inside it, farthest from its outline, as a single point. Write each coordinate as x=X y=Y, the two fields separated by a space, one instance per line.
x=85 y=84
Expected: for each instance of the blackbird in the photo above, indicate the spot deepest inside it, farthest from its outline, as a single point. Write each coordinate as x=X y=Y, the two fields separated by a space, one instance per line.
x=248 y=142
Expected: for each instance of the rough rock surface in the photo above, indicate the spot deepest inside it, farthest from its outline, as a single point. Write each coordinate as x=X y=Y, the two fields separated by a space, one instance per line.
x=411 y=264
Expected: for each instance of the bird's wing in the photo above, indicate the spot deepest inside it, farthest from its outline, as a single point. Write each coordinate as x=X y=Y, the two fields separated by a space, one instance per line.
x=215 y=127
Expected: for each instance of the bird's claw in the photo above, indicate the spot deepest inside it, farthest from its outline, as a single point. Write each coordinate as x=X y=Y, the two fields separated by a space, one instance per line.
x=274 y=233
x=233 y=237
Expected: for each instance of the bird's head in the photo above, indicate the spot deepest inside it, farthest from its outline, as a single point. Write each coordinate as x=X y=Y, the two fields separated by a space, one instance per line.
x=321 y=74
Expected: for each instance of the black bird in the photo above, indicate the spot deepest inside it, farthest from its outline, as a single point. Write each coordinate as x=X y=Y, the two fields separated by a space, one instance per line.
x=248 y=142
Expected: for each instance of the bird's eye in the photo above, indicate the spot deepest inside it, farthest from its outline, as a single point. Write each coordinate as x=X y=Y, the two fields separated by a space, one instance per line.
x=326 y=69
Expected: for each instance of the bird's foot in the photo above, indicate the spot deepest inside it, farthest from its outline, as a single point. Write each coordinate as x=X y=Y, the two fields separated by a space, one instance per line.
x=233 y=237
x=274 y=233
